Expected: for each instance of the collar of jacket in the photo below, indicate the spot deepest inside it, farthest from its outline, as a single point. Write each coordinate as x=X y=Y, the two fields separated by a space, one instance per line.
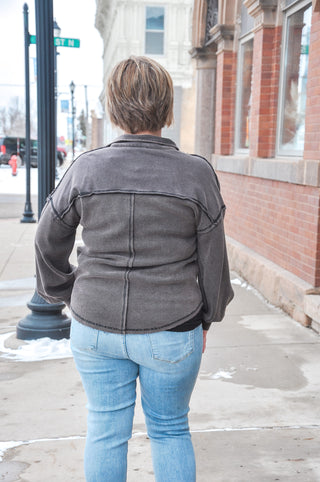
x=137 y=140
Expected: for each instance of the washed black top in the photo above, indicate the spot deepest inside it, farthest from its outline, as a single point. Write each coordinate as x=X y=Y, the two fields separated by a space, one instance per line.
x=153 y=255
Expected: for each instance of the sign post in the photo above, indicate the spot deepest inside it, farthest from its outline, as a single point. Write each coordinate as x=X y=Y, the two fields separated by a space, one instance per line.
x=45 y=320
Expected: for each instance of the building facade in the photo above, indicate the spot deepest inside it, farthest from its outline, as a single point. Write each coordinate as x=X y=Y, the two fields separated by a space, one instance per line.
x=258 y=121
x=159 y=29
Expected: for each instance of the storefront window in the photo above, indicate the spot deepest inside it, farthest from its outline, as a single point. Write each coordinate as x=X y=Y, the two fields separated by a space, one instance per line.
x=294 y=82
x=244 y=95
x=154 y=31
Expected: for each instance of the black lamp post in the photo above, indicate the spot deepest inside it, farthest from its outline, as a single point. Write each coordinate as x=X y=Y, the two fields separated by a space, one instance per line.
x=28 y=213
x=72 y=89
x=56 y=33
x=46 y=320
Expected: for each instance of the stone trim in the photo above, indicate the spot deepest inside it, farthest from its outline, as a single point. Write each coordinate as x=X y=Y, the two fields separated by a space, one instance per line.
x=312 y=309
x=205 y=57
x=222 y=36
x=295 y=171
x=263 y=11
x=277 y=285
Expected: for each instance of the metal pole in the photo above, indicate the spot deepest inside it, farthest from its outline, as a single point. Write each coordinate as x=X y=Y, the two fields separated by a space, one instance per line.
x=87 y=114
x=46 y=320
x=46 y=110
x=56 y=33
x=28 y=213
x=56 y=109
x=86 y=98
x=72 y=107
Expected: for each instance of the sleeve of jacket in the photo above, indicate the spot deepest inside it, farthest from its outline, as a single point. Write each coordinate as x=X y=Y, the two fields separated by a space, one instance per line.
x=54 y=242
x=214 y=275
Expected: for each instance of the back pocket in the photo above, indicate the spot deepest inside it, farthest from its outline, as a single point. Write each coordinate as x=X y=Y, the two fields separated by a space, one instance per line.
x=171 y=346
x=83 y=337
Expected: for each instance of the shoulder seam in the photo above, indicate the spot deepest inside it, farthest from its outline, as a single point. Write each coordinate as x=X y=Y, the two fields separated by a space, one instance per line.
x=155 y=193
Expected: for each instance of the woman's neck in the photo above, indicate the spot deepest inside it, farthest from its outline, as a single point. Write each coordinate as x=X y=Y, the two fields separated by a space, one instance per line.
x=147 y=133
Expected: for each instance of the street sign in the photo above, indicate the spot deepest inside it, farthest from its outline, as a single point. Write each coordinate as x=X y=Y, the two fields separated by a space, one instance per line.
x=66 y=42
x=60 y=41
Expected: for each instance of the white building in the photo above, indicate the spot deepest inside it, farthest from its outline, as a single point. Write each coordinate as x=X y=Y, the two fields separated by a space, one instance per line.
x=161 y=30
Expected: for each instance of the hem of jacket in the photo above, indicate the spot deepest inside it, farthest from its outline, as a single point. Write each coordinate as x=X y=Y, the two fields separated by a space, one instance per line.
x=112 y=329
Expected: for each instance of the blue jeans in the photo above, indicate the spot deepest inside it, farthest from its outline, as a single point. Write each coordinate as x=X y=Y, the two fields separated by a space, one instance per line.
x=167 y=364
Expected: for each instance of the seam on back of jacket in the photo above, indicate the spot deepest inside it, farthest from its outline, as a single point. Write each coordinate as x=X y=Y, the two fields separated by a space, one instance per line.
x=154 y=193
x=213 y=225
x=129 y=264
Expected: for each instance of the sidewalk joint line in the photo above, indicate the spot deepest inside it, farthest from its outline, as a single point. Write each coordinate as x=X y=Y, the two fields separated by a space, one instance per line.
x=5 y=446
x=12 y=252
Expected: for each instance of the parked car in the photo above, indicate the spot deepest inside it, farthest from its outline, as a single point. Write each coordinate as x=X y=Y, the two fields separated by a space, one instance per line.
x=17 y=145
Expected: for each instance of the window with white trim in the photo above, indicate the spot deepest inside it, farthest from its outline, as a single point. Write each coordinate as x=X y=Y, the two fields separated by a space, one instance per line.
x=244 y=82
x=154 y=38
x=243 y=107
x=293 y=79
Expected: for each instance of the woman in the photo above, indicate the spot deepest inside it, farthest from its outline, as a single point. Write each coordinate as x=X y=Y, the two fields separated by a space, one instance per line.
x=152 y=275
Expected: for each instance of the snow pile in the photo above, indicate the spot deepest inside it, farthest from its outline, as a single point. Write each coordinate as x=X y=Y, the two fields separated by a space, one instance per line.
x=35 y=350
x=17 y=184
x=4 y=446
x=222 y=374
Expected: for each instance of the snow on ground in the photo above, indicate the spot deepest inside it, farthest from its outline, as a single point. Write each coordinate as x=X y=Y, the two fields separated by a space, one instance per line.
x=10 y=184
x=4 y=446
x=18 y=284
x=17 y=184
x=35 y=350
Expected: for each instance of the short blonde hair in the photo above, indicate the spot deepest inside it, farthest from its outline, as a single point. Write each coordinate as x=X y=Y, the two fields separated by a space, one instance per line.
x=140 y=95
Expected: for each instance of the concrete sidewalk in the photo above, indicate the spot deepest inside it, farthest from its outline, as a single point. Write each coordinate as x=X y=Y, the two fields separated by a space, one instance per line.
x=254 y=413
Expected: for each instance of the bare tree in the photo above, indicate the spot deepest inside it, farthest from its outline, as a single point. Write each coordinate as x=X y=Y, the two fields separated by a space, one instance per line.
x=12 y=120
x=3 y=121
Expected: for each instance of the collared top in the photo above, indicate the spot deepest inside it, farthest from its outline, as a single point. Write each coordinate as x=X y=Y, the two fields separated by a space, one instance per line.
x=153 y=253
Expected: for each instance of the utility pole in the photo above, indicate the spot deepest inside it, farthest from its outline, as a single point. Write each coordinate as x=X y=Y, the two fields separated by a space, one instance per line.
x=46 y=320
x=28 y=213
x=72 y=88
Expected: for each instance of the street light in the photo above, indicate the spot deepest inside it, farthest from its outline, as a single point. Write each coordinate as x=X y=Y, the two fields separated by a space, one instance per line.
x=46 y=319
x=28 y=213
x=56 y=33
x=56 y=29
x=72 y=89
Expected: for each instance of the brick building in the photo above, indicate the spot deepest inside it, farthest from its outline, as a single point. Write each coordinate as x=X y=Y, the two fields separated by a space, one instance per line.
x=258 y=121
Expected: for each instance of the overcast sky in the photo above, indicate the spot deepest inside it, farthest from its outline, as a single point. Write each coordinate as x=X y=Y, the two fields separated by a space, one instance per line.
x=83 y=65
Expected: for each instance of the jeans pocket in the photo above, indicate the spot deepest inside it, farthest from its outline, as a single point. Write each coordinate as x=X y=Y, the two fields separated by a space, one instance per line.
x=82 y=337
x=171 y=346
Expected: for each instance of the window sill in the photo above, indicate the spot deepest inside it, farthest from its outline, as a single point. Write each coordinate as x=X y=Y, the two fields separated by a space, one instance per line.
x=293 y=170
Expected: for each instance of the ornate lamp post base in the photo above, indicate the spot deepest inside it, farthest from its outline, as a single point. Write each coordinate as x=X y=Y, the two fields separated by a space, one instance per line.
x=45 y=320
x=28 y=216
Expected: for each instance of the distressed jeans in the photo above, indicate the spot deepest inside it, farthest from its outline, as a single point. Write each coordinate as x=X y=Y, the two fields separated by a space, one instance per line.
x=167 y=364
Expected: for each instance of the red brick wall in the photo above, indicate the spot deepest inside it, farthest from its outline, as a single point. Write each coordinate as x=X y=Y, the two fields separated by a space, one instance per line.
x=265 y=81
x=225 y=98
x=312 y=137
x=278 y=220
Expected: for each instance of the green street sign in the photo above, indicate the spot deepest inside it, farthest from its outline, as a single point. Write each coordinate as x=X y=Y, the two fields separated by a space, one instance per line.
x=66 y=42
x=60 y=41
